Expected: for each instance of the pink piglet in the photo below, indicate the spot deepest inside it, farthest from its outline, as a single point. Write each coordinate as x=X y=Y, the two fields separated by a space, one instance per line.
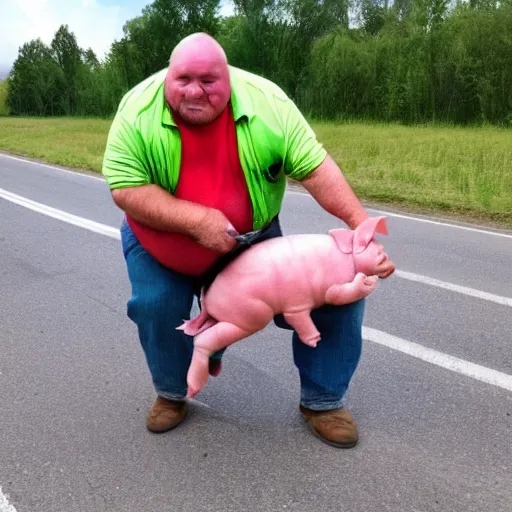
x=291 y=275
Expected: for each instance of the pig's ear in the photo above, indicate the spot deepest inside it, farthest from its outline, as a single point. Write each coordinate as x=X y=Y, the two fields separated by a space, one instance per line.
x=344 y=239
x=365 y=232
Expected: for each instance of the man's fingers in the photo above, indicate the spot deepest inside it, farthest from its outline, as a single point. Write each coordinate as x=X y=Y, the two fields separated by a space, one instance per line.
x=226 y=244
x=231 y=231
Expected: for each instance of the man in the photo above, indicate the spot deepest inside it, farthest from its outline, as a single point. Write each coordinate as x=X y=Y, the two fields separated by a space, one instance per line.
x=191 y=148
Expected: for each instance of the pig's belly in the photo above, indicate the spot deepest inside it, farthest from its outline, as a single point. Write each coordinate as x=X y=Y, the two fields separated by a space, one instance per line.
x=251 y=303
x=242 y=309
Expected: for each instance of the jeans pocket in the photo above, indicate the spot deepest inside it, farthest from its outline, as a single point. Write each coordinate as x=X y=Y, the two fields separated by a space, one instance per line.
x=129 y=241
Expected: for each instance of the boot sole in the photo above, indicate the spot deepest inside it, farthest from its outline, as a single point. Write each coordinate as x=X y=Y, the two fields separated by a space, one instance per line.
x=326 y=441
x=162 y=431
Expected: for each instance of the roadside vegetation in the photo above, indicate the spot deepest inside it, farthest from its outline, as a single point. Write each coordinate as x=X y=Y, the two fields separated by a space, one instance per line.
x=412 y=97
x=463 y=171
x=407 y=61
x=4 y=111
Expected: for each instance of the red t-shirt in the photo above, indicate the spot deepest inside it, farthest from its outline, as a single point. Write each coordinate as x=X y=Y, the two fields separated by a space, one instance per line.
x=210 y=175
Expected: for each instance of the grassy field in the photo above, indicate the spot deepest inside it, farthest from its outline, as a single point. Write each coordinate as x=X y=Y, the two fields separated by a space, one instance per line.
x=466 y=171
x=455 y=171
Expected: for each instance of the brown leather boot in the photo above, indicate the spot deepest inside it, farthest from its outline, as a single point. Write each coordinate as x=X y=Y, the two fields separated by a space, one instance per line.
x=335 y=427
x=166 y=414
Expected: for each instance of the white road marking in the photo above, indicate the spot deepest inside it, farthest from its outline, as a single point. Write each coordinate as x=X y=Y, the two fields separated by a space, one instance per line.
x=477 y=372
x=197 y=402
x=439 y=223
x=420 y=219
x=103 y=229
x=464 y=290
x=111 y=232
x=432 y=356
x=4 y=503
x=75 y=173
x=447 y=361
x=288 y=191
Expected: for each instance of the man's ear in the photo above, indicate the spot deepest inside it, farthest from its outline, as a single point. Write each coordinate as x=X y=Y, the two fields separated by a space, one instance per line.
x=344 y=239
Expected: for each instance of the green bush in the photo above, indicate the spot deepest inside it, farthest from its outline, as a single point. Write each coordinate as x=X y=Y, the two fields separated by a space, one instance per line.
x=4 y=111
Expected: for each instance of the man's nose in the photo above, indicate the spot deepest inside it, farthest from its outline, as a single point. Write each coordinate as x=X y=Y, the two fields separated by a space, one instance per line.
x=193 y=90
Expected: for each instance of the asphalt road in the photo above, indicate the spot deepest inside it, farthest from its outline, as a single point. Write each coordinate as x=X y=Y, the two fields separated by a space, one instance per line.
x=435 y=433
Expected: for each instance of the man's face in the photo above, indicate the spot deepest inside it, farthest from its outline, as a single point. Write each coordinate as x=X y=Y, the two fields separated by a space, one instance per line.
x=197 y=87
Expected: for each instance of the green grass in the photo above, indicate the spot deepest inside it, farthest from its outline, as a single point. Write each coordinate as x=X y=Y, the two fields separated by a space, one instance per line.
x=460 y=170
x=4 y=111
x=72 y=142
x=463 y=171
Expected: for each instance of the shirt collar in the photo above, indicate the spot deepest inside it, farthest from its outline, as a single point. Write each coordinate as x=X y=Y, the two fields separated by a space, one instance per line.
x=240 y=101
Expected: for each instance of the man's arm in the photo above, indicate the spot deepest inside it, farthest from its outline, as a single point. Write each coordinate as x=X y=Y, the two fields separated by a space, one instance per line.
x=326 y=182
x=126 y=172
x=331 y=190
x=156 y=208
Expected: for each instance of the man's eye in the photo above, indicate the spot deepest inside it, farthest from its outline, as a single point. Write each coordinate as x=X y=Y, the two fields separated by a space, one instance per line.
x=207 y=82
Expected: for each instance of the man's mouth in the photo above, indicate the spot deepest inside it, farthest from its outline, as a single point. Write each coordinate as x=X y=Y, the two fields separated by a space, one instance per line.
x=195 y=106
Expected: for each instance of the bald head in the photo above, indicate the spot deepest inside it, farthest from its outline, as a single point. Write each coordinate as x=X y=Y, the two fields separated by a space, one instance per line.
x=197 y=83
x=198 y=44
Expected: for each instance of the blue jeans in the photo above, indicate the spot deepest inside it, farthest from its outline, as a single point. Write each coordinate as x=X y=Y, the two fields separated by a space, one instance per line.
x=161 y=299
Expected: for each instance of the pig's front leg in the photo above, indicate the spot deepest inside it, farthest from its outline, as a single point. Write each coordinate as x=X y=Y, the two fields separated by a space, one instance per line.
x=304 y=327
x=359 y=288
x=221 y=335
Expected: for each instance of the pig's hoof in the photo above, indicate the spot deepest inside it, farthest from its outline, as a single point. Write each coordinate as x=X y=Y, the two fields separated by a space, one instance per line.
x=214 y=367
x=364 y=285
x=191 y=393
x=313 y=342
x=183 y=326
x=370 y=280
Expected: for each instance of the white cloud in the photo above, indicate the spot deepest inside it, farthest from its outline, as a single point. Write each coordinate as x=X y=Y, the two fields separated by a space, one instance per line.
x=94 y=25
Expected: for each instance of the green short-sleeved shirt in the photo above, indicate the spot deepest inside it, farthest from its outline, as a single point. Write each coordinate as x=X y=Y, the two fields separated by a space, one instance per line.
x=274 y=141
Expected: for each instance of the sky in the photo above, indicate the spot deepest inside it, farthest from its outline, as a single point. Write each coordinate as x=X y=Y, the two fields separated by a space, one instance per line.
x=95 y=23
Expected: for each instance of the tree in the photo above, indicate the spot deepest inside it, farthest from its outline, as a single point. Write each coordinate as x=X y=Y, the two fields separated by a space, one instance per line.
x=90 y=60
x=35 y=82
x=163 y=24
x=68 y=56
x=274 y=37
x=408 y=60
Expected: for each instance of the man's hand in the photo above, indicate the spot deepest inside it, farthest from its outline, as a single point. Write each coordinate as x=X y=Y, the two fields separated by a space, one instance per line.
x=385 y=268
x=215 y=232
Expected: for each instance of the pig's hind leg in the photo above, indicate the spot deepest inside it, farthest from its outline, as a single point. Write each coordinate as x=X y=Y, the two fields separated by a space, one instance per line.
x=200 y=323
x=221 y=335
x=304 y=327
x=360 y=287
